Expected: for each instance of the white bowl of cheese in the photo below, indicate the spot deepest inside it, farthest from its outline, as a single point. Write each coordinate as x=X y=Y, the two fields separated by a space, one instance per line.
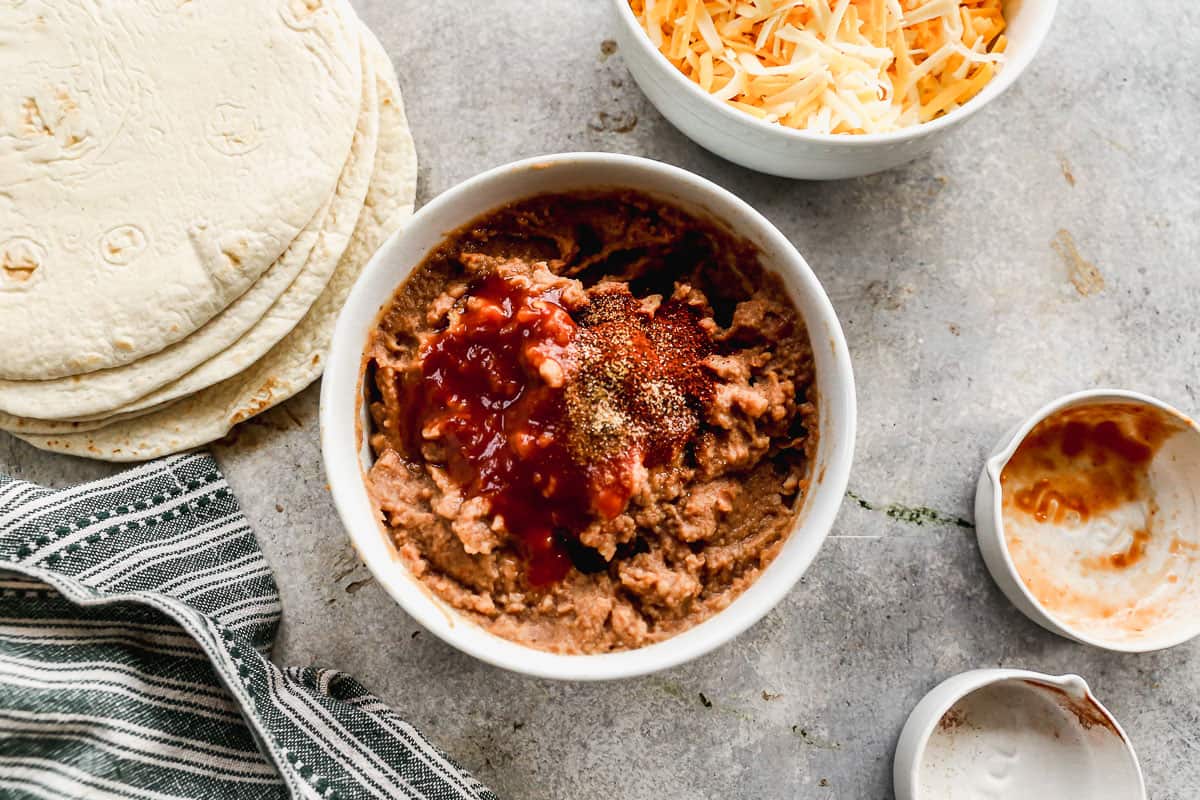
x=753 y=136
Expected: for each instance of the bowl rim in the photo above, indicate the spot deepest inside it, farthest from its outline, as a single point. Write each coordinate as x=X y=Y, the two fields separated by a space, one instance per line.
x=341 y=442
x=994 y=88
x=924 y=718
x=995 y=466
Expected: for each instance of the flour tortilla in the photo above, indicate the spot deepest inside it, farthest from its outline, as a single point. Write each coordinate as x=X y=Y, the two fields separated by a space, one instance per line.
x=214 y=352
x=38 y=427
x=96 y=395
x=298 y=359
x=157 y=158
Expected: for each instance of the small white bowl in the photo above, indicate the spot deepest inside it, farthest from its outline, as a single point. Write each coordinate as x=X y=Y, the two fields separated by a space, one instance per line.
x=1009 y=734
x=1174 y=475
x=343 y=414
x=791 y=153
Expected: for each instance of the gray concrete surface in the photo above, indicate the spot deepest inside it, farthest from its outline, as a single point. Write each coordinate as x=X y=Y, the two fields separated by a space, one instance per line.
x=961 y=318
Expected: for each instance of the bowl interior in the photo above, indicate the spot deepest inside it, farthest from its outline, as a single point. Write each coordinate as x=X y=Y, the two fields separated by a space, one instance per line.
x=1028 y=23
x=344 y=421
x=1126 y=576
x=1018 y=738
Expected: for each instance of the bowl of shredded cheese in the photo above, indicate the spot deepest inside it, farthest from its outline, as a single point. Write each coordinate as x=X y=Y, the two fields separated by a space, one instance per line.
x=826 y=89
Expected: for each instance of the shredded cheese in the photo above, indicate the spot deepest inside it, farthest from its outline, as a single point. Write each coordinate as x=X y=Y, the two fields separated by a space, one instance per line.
x=832 y=66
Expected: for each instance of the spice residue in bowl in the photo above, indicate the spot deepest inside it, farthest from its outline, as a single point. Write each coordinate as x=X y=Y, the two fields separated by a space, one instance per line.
x=1099 y=520
x=1020 y=738
x=832 y=66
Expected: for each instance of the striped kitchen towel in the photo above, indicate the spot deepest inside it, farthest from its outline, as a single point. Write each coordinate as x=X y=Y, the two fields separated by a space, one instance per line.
x=136 y=613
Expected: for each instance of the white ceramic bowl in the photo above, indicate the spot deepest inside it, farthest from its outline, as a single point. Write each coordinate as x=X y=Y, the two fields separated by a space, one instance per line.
x=791 y=153
x=1014 y=735
x=1174 y=474
x=343 y=418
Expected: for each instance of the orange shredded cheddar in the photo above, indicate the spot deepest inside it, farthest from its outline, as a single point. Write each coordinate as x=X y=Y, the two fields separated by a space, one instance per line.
x=832 y=66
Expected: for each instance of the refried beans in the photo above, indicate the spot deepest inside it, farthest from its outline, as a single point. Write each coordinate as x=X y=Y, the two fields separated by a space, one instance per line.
x=593 y=420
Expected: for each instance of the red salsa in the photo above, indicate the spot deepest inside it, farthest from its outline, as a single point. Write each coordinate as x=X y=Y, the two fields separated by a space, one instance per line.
x=549 y=416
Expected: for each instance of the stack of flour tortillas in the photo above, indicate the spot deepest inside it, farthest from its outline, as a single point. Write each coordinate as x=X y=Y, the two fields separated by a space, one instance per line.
x=187 y=192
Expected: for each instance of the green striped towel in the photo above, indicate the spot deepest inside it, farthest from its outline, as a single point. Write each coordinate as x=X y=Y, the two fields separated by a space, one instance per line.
x=136 y=613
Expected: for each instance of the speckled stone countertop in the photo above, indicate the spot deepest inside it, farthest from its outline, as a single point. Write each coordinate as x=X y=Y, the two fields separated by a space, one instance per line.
x=953 y=280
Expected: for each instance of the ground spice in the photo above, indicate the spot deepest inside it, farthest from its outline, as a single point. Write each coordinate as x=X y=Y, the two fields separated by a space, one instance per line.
x=639 y=383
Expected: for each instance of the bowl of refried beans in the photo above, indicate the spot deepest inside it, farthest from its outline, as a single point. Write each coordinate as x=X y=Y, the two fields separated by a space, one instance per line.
x=588 y=416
